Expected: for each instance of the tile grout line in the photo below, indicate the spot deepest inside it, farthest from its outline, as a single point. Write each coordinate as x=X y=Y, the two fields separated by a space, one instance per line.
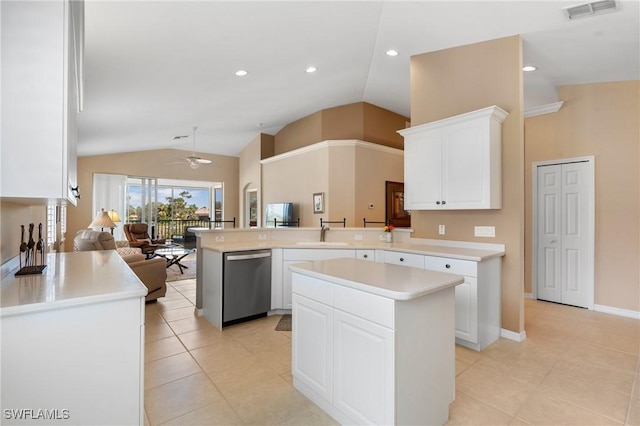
x=633 y=390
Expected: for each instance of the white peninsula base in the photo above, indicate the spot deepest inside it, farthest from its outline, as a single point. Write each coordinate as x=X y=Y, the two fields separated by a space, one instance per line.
x=374 y=343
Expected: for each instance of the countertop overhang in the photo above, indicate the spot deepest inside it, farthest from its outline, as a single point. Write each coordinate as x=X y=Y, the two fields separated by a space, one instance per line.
x=392 y=281
x=476 y=255
x=71 y=279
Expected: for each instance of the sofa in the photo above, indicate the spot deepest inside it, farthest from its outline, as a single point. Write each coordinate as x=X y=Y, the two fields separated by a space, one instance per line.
x=152 y=272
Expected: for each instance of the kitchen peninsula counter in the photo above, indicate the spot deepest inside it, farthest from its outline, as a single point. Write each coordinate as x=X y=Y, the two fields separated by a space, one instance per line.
x=374 y=343
x=462 y=253
x=70 y=279
x=73 y=341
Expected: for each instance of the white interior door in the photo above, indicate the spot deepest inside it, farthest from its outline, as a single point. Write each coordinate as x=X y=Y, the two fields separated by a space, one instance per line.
x=564 y=271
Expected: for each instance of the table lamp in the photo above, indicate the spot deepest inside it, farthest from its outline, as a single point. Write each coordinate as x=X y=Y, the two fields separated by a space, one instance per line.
x=102 y=221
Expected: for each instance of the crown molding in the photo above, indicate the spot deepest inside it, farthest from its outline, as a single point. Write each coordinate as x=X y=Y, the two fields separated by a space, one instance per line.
x=543 y=109
x=333 y=144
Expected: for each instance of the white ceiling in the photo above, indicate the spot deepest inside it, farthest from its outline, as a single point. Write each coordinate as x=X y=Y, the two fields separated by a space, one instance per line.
x=155 y=69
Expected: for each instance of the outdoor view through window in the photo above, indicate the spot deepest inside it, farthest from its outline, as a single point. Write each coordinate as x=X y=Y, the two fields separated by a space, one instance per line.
x=177 y=207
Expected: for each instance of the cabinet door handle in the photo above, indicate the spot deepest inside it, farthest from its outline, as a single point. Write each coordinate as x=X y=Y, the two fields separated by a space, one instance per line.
x=447 y=266
x=444 y=202
x=402 y=259
x=438 y=202
x=365 y=256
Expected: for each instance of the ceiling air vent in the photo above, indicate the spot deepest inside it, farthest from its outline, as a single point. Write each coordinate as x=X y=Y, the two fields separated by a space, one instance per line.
x=590 y=9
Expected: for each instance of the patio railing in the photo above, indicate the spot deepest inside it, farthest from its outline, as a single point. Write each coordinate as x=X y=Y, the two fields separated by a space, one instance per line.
x=175 y=228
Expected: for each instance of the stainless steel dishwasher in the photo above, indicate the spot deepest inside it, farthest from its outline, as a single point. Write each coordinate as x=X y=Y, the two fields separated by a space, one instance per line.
x=246 y=286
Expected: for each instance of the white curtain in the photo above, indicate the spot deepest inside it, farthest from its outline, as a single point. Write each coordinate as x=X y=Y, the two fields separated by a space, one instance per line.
x=110 y=193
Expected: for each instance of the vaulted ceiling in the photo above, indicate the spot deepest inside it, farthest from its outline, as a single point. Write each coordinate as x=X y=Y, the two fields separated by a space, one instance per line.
x=155 y=69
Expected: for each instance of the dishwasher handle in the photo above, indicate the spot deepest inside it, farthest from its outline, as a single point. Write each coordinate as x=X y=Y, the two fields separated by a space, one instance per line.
x=248 y=256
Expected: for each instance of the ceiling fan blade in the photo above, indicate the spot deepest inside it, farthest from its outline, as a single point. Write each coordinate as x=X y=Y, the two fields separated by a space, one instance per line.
x=203 y=161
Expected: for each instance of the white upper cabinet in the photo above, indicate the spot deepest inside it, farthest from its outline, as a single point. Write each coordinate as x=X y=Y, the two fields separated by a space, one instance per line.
x=42 y=51
x=455 y=163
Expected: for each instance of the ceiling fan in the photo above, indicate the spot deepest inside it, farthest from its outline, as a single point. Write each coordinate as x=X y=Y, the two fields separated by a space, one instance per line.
x=193 y=160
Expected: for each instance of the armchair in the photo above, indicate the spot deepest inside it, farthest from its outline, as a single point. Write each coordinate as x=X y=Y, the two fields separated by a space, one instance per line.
x=138 y=236
x=152 y=272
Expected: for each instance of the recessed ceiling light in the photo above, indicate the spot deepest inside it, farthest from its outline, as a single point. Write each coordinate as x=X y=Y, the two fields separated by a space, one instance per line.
x=241 y=73
x=311 y=69
x=392 y=52
x=529 y=68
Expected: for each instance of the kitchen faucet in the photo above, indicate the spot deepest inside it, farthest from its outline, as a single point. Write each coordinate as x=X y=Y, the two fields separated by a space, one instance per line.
x=323 y=231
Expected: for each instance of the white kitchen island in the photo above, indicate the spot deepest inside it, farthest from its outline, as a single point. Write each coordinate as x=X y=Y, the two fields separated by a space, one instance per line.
x=374 y=343
x=72 y=342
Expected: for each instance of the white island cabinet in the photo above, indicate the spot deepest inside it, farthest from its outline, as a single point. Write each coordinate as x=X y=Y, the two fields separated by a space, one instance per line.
x=373 y=343
x=72 y=343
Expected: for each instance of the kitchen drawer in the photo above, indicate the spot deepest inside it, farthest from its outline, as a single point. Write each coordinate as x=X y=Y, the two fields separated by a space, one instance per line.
x=371 y=307
x=313 y=288
x=404 y=259
x=468 y=268
x=369 y=255
x=316 y=254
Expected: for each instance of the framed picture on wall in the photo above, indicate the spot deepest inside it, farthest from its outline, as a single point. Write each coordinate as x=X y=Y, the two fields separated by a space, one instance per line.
x=318 y=202
x=394 y=201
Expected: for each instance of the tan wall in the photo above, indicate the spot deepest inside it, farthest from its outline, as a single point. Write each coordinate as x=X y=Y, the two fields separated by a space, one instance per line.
x=303 y=132
x=381 y=126
x=12 y=215
x=343 y=122
x=453 y=81
x=340 y=200
x=351 y=177
x=155 y=163
x=373 y=168
x=295 y=179
x=249 y=175
x=360 y=121
x=602 y=120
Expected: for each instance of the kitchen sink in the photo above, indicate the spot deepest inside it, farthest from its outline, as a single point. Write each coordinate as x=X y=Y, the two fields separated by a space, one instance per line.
x=321 y=243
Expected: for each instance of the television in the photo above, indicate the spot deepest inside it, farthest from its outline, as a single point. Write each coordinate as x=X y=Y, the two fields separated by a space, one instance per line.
x=277 y=213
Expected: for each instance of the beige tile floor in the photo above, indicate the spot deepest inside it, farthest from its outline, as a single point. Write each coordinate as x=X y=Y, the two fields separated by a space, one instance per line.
x=577 y=367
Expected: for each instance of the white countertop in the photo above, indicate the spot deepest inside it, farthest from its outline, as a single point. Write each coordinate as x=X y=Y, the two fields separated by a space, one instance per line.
x=476 y=255
x=70 y=279
x=391 y=281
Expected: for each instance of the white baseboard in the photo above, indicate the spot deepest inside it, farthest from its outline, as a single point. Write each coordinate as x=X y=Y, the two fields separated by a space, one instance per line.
x=512 y=335
x=529 y=296
x=617 y=311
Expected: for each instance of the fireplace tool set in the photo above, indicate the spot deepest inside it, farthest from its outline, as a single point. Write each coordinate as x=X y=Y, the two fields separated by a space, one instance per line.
x=33 y=252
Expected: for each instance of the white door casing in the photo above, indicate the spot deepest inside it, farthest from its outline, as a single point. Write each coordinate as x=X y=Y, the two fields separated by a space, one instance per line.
x=564 y=231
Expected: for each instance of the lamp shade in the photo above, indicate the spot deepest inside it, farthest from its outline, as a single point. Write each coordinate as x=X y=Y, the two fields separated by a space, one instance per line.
x=102 y=220
x=113 y=215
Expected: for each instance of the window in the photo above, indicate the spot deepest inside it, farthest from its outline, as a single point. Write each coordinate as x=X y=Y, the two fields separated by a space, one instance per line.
x=56 y=215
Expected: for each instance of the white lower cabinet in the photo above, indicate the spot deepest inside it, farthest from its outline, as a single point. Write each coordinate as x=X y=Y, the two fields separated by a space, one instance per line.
x=404 y=259
x=478 y=319
x=312 y=323
x=369 y=255
x=82 y=364
x=364 y=367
